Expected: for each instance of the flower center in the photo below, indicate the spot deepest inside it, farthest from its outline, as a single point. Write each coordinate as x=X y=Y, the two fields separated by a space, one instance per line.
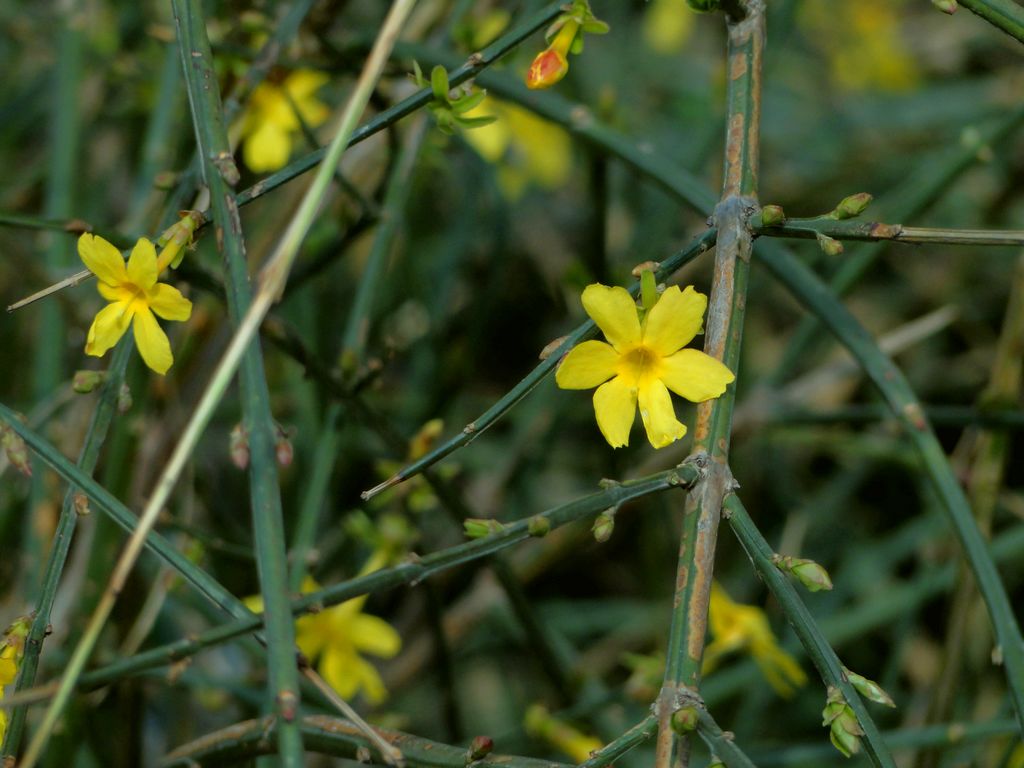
x=640 y=362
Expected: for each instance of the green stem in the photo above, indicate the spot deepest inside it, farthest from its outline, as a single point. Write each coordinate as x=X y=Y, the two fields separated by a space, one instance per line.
x=631 y=739
x=714 y=417
x=851 y=229
x=330 y=736
x=889 y=380
x=818 y=649
x=62 y=537
x=586 y=330
x=268 y=526
x=411 y=572
x=1002 y=14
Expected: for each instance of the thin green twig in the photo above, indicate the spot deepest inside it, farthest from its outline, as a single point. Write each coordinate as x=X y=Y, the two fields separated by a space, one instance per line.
x=817 y=647
x=726 y=311
x=1002 y=14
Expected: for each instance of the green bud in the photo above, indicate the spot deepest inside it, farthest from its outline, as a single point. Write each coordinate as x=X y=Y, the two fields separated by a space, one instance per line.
x=685 y=720
x=124 y=398
x=648 y=290
x=869 y=689
x=15 y=449
x=946 y=6
x=852 y=206
x=538 y=526
x=478 y=527
x=846 y=743
x=829 y=245
x=479 y=748
x=807 y=572
x=772 y=215
x=604 y=525
x=80 y=502
x=84 y=382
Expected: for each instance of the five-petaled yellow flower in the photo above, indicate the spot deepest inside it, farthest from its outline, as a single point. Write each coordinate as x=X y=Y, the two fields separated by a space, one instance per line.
x=270 y=120
x=334 y=638
x=738 y=627
x=642 y=361
x=134 y=295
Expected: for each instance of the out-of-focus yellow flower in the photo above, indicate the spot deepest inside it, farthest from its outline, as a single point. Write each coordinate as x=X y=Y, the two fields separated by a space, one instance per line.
x=668 y=25
x=11 y=651
x=736 y=627
x=863 y=43
x=540 y=724
x=335 y=638
x=269 y=124
x=134 y=295
x=642 y=361
x=526 y=148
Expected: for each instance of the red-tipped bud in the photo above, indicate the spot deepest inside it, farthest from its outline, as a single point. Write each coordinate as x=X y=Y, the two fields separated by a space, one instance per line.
x=547 y=68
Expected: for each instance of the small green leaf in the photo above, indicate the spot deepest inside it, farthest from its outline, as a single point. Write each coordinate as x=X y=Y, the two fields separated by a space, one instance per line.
x=577 y=45
x=595 y=27
x=468 y=102
x=476 y=122
x=439 y=83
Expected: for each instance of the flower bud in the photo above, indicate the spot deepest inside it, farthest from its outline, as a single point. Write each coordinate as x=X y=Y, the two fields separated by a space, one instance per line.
x=238 y=446
x=15 y=449
x=538 y=526
x=604 y=525
x=685 y=720
x=80 y=502
x=478 y=527
x=829 y=245
x=548 y=68
x=283 y=449
x=772 y=215
x=869 y=689
x=124 y=399
x=84 y=382
x=852 y=206
x=479 y=748
x=844 y=730
x=946 y=6
x=814 y=577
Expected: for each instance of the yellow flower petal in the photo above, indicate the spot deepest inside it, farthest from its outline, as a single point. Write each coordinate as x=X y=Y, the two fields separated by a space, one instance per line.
x=587 y=365
x=311 y=634
x=674 y=320
x=370 y=682
x=300 y=86
x=102 y=259
x=267 y=148
x=658 y=415
x=694 y=375
x=168 y=303
x=338 y=668
x=614 y=311
x=152 y=342
x=615 y=408
x=107 y=328
x=303 y=83
x=122 y=292
x=142 y=269
x=375 y=636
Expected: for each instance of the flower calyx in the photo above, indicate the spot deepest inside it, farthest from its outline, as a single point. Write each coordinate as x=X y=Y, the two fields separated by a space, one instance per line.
x=448 y=106
x=844 y=730
x=809 y=573
x=564 y=36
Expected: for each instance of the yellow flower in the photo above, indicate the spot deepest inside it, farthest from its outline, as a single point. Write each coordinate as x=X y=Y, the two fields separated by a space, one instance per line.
x=644 y=360
x=11 y=651
x=334 y=638
x=737 y=627
x=525 y=147
x=134 y=295
x=863 y=42
x=540 y=724
x=270 y=121
x=667 y=25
